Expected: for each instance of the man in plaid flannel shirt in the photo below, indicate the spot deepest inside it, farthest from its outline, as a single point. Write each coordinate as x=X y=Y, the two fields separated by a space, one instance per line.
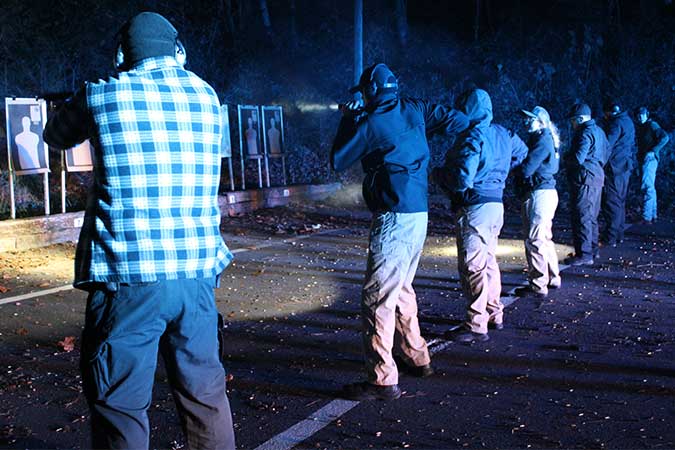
x=150 y=251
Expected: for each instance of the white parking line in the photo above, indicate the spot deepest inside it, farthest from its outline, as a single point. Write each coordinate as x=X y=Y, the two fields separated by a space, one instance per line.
x=303 y=430
x=18 y=298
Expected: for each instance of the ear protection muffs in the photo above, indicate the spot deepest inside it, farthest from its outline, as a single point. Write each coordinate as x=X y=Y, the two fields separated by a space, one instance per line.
x=180 y=55
x=371 y=89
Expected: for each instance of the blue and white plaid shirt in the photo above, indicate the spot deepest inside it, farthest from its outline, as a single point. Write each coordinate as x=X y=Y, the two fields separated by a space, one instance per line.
x=153 y=213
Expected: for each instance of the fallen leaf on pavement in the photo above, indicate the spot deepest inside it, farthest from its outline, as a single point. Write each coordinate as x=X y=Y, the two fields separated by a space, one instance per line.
x=67 y=344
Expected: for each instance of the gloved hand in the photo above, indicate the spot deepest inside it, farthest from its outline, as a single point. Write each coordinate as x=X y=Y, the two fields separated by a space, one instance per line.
x=351 y=108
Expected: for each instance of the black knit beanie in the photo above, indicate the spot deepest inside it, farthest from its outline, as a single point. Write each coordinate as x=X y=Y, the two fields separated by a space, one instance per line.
x=147 y=35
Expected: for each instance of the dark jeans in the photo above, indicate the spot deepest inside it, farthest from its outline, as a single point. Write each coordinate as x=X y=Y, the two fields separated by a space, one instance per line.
x=125 y=326
x=614 y=206
x=585 y=210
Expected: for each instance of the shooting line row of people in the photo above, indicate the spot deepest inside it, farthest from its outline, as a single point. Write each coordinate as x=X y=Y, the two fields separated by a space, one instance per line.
x=388 y=134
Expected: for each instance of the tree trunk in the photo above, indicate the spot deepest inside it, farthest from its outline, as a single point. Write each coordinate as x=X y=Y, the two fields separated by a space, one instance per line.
x=476 y=21
x=228 y=17
x=612 y=50
x=294 y=25
x=358 y=43
x=401 y=13
x=265 y=14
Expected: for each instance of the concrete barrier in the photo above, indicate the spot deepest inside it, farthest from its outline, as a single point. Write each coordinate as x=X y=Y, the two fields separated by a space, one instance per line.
x=34 y=232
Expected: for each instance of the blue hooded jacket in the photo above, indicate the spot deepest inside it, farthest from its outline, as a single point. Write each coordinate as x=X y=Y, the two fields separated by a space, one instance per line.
x=479 y=163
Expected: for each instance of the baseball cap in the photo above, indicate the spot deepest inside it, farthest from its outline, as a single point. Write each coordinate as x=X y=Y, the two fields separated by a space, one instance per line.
x=579 y=109
x=539 y=113
x=380 y=74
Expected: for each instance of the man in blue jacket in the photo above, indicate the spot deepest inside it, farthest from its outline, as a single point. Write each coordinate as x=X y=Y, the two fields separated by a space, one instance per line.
x=150 y=250
x=389 y=137
x=585 y=163
x=475 y=175
x=650 y=139
x=621 y=137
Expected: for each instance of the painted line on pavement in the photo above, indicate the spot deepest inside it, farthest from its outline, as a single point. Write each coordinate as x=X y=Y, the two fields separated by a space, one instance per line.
x=287 y=241
x=305 y=429
x=31 y=295
x=18 y=298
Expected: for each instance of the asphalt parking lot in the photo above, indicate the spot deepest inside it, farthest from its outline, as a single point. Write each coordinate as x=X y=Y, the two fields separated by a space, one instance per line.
x=589 y=367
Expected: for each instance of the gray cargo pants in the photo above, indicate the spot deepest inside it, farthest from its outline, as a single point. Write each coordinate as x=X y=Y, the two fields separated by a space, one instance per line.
x=389 y=303
x=478 y=228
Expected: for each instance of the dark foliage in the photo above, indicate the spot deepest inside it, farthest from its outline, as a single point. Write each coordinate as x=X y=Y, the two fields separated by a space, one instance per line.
x=298 y=54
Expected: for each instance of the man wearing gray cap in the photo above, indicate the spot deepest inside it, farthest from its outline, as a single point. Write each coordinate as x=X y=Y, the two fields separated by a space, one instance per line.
x=585 y=161
x=150 y=250
x=388 y=136
x=650 y=139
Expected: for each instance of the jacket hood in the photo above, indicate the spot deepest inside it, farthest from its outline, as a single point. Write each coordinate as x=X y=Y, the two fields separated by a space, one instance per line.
x=477 y=106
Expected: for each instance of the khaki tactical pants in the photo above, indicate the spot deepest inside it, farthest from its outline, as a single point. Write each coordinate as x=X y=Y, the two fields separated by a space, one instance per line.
x=478 y=228
x=542 y=260
x=389 y=304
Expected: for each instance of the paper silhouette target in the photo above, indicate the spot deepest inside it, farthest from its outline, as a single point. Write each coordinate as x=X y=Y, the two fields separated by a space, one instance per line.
x=273 y=126
x=26 y=150
x=79 y=158
x=249 y=130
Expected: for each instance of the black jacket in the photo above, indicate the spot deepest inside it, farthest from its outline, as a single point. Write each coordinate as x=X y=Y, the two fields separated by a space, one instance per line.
x=390 y=140
x=650 y=138
x=621 y=137
x=588 y=155
x=541 y=163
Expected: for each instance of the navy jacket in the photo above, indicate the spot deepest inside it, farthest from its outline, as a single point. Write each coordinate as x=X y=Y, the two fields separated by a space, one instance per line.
x=621 y=137
x=477 y=166
x=541 y=163
x=588 y=155
x=390 y=140
x=650 y=138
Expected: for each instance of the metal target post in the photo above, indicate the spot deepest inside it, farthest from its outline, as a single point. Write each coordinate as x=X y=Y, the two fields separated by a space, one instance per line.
x=45 y=176
x=63 y=182
x=265 y=147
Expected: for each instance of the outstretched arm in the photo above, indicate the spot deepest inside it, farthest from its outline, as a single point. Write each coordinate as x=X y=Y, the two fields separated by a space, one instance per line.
x=463 y=164
x=441 y=119
x=349 y=145
x=69 y=126
x=519 y=151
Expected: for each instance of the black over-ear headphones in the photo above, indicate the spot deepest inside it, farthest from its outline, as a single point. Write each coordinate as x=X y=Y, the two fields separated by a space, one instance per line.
x=371 y=89
x=120 y=61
